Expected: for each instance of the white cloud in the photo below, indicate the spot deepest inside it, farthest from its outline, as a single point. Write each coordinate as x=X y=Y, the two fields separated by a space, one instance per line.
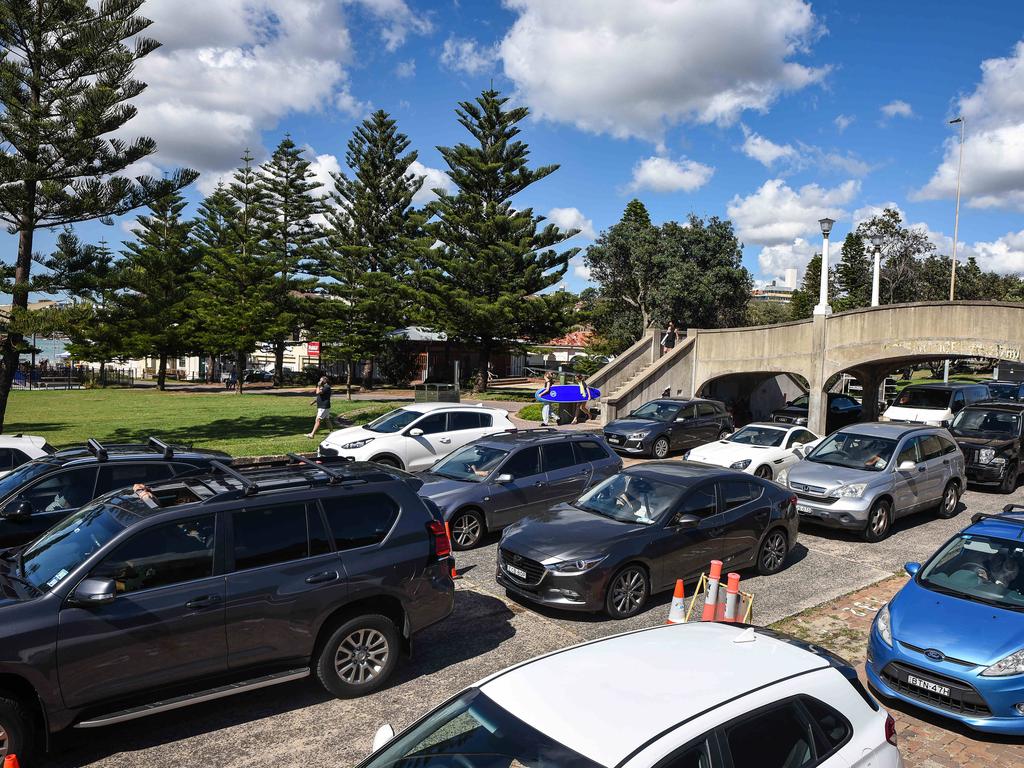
x=1005 y=254
x=572 y=218
x=764 y=150
x=322 y=166
x=631 y=69
x=435 y=178
x=897 y=108
x=580 y=268
x=467 y=55
x=799 y=157
x=776 y=214
x=843 y=122
x=406 y=68
x=397 y=18
x=661 y=174
x=774 y=260
x=993 y=171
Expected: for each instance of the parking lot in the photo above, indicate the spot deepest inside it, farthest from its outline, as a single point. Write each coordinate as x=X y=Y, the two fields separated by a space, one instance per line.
x=299 y=724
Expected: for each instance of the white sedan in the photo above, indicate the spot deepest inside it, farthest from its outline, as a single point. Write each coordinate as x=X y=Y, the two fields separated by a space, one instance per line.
x=763 y=448
x=15 y=450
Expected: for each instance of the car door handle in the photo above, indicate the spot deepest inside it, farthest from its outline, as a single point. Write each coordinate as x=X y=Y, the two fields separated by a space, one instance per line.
x=945 y=462
x=322 y=578
x=539 y=484
x=206 y=601
x=922 y=469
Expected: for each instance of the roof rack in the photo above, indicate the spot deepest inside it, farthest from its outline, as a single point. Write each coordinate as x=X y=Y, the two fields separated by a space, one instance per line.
x=160 y=445
x=1009 y=509
x=249 y=487
x=334 y=476
x=96 y=449
x=529 y=430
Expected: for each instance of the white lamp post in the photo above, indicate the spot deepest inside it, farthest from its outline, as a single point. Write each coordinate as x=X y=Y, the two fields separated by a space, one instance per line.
x=823 y=307
x=876 y=242
x=956 y=219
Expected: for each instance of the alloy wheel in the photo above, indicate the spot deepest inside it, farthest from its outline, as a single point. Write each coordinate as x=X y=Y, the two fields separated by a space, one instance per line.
x=660 y=448
x=361 y=656
x=764 y=472
x=466 y=530
x=628 y=591
x=773 y=553
x=949 y=501
x=878 y=522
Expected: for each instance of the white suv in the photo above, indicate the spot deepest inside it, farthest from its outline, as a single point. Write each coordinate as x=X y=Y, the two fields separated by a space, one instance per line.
x=414 y=436
x=683 y=696
x=15 y=450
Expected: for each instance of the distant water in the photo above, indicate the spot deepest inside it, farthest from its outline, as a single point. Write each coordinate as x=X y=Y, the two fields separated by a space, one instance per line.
x=49 y=350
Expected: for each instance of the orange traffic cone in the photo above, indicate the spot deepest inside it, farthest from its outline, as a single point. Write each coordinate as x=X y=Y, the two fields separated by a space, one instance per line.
x=677 y=613
x=711 y=595
x=448 y=532
x=732 y=598
x=11 y=761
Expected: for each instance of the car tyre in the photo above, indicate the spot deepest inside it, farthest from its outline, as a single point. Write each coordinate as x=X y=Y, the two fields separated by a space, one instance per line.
x=386 y=461
x=771 y=555
x=1009 y=484
x=764 y=472
x=17 y=731
x=468 y=528
x=879 y=521
x=950 y=501
x=359 y=656
x=627 y=592
x=660 y=448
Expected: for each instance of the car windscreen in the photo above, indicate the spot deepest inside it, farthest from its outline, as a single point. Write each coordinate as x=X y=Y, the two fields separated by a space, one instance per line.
x=395 y=421
x=979 y=568
x=763 y=436
x=657 y=411
x=631 y=498
x=801 y=402
x=18 y=477
x=1004 y=391
x=848 y=449
x=914 y=397
x=474 y=732
x=978 y=422
x=55 y=554
x=472 y=464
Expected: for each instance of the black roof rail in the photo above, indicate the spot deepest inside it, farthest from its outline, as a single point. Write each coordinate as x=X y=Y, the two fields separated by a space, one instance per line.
x=1009 y=509
x=96 y=449
x=528 y=430
x=333 y=475
x=160 y=445
x=249 y=487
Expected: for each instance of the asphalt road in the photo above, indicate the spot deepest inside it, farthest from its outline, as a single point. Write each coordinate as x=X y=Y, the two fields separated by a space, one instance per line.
x=298 y=724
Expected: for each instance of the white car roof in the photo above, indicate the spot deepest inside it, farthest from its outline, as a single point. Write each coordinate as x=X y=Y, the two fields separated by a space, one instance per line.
x=427 y=407
x=16 y=441
x=650 y=680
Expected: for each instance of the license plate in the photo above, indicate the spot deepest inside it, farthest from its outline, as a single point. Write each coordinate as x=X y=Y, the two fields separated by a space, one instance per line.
x=517 y=572
x=803 y=509
x=928 y=685
x=614 y=440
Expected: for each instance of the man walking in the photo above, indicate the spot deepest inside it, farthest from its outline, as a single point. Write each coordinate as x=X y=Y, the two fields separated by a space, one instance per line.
x=546 y=418
x=323 y=405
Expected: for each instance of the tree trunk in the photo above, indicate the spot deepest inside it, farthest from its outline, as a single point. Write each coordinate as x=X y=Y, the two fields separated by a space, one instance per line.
x=240 y=367
x=348 y=380
x=279 y=362
x=161 y=373
x=483 y=374
x=103 y=373
x=19 y=300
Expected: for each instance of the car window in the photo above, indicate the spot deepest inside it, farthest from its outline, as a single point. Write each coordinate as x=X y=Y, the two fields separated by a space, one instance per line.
x=959 y=401
x=687 y=412
x=800 y=437
x=269 y=535
x=11 y=458
x=736 y=493
x=974 y=394
x=433 y=423
x=590 y=450
x=911 y=451
x=522 y=464
x=464 y=420
x=691 y=756
x=780 y=737
x=558 y=456
x=833 y=729
x=706 y=409
x=931 y=448
x=64 y=490
x=948 y=446
x=361 y=520
x=915 y=397
x=172 y=553
x=700 y=502
x=114 y=476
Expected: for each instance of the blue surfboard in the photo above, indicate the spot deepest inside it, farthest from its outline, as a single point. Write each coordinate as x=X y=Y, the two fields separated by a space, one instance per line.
x=566 y=393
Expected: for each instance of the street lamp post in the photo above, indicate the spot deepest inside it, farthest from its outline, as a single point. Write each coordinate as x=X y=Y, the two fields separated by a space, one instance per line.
x=956 y=218
x=823 y=307
x=876 y=242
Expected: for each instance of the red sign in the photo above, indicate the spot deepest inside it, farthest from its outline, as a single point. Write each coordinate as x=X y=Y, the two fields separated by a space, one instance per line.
x=313 y=348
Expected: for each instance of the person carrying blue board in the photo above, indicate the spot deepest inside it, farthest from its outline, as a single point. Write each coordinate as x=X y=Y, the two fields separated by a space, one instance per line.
x=545 y=417
x=584 y=403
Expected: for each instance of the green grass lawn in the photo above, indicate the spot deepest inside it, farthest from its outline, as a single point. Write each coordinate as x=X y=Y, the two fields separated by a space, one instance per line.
x=242 y=425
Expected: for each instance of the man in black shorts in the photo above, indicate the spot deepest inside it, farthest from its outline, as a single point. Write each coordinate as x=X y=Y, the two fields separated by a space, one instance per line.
x=323 y=405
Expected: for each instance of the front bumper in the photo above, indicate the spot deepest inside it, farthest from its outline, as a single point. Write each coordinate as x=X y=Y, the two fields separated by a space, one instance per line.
x=573 y=592
x=985 y=474
x=620 y=444
x=982 y=703
x=849 y=513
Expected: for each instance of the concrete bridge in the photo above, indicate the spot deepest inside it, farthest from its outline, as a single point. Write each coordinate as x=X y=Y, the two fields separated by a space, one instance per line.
x=866 y=343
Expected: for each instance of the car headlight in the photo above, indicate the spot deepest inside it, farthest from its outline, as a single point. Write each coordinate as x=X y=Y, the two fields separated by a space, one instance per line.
x=883 y=624
x=357 y=443
x=783 y=477
x=740 y=464
x=852 y=490
x=576 y=566
x=1011 y=665
x=636 y=436
x=802 y=421
x=985 y=455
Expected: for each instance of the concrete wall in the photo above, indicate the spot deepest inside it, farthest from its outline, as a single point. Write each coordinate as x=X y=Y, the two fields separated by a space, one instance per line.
x=783 y=348
x=673 y=371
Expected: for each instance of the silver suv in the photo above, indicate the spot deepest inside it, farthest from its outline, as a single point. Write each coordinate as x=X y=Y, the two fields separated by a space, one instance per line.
x=864 y=476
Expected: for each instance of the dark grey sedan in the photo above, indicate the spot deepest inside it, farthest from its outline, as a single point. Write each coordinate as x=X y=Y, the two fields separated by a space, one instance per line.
x=639 y=531
x=660 y=426
x=497 y=480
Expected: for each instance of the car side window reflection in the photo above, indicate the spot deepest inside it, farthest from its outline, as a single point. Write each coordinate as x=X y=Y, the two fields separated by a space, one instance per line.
x=909 y=452
x=432 y=424
x=700 y=502
x=522 y=464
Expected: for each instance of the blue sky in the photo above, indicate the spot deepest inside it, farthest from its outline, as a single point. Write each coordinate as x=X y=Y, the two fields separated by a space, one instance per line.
x=769 y=112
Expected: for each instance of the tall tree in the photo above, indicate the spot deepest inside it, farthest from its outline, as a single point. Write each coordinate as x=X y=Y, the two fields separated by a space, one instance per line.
x=902 y=249
x=624 y=261
x=374 y=239
x=65 y=88
x=289 y=205
x=157 y=274
x=236 y=284
x=853 y=274
x=801 y=305
x=492 y=260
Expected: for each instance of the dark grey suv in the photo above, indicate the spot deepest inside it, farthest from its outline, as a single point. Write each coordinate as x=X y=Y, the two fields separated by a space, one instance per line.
x=660 y=426
x=197 y=588
x=498 y=480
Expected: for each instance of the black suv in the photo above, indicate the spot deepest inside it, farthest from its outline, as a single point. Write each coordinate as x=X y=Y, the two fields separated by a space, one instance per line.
x=500 y=479
x=669 y=424
x=200 y=587
x=990 y=435
x=843 y=410
x=38 y=494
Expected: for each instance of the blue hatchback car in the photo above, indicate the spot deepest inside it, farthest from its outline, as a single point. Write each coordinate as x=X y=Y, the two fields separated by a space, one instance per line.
x=952 y=640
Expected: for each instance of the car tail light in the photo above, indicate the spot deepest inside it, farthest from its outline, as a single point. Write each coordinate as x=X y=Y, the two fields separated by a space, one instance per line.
x=890 y=730
x=442 y=544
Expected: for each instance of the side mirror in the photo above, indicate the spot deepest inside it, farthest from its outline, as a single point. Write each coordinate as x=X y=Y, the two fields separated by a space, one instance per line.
x=415 y=432
x=912 y=569
x=686 y=521
x=18 y=509
x=94 y=592
x=383 y=735
x=504 y=478
x=798 y=452
x=906 y=466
